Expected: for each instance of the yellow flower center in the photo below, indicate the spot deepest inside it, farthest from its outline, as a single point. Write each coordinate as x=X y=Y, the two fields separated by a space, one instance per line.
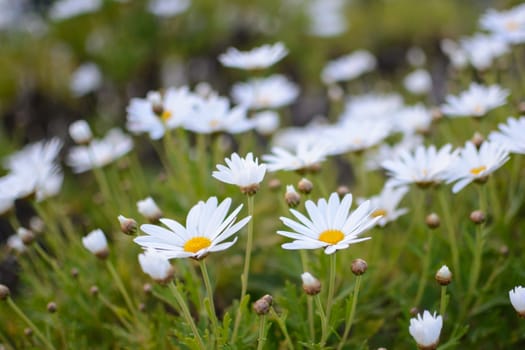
x=196 y=243
x=378 y=212
x=166 y=115
x=479 y=109
x=331 y=236
x=214 y=123
x=512 y=26
x=478 y=170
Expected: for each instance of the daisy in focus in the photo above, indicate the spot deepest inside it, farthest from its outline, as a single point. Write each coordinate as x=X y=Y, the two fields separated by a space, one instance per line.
x=477 y=101
x=207 y=227
x=423 y=166
x=510 y=135
x=517 y=299
x=246 y=173
x=386 y=203
x=258 y=58
x=426 y=330
x=330 y=225
x=476 y=165
x=273 y=92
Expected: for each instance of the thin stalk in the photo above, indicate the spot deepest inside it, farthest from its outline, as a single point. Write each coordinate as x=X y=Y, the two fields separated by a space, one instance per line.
x=262 y=332
x=31 y=325
x=331 y=286
x=451 y=233
x=424 y=274
x=186 y=313
x=116 y=311
x=309 y=301
x=120 y=286
x=203 y=163
x=209 y=291
x=324 y=323
x=320 y=184
x=246 y=270
x=351 y=315
x=282 y=326
x=443 y=303
x=476 y=265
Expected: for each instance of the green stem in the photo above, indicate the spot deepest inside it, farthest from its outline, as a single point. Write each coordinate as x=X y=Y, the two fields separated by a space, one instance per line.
x=443 y=302
x=262 y=332
x=350 y=317
x=186 y=313
x=324 y=323
x=120 y=286
x=309 y=301
x=331 y=286
x=451 y=233
x=424 y=273
x=246 y=270
x=31 y=325
x=282 y=326
x=209 y=291
x=115 y=310
x=476 y=266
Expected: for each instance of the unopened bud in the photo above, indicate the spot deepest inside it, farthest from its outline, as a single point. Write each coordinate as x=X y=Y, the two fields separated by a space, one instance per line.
x=504 y=250
x=477 y=217
x=477 y=139
x=147 y=288
x=4 y=292
x=443 y=275
x=36 y=224
x=359 y=267
x=335 y=92
x=342 y=191
x=157 y=108
x=414 y=311
x=432 y=220
x=27 y=236
x=28 y=332
x=291 y=197
x=93 y=290
x=127 y=225
x=305 y=186
x=52 y=307
x=74 y=272
x=80 y=132
x=149 y=209
x=274 y=184
x=142 y=307
x=436 y=113
x=311 y=285
x=262 y=306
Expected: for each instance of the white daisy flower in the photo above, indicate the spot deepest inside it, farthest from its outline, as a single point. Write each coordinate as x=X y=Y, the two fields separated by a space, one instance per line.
x=327 y=17
x=423 y=166
x=455 y=53
x=331 y=224
x=348 y=67
x=96 y=243
x=246 y=173
x=64 y=9
x=413 y=119
x=517 y=299
x=272 y=92
x=156 y=265
x=354 y=135
x=510 y=135
x=257 y=58
x=418 y=82
x=508 y=25
x=206 y=228
x=214 y=115
x=80 y=132
x=476 y=165
x=426 y=330
x=266 y=122
x=7 y=198
x=159 y=112
x=385 y=151
x=14 y=242
x=149 y=209
x=477 y=101
x=483 y=49
x=307 y=156
x=85 y=79
x=372 y=106
x=168 y=8
x=99 y=152
x=386 y=204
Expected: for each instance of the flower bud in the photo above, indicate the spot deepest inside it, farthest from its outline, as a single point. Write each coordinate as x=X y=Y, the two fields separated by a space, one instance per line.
x=311 y=285
x=127 y=225
x=147 y=288
x=28 y=332
x=291 y=197
x=149 y=209
x=274 y=184
x=517 y=299
x=413 y=311
x=74 y=272
x=80 y=132
x=93 y=290
x=36 y=224
x=157 y=266
x=443 y=275
x=27 y=236
x=359 y=267
x=342 y=191
x=305 y=186
x=432 y=220
x=477 y=217
x=96 y=243
x=262 y=306
x=504 y=250
x=477 y=139
x=52 y=307
x=4 y=292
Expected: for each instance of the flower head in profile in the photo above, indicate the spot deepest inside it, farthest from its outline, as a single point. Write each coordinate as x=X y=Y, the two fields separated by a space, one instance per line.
x=258 y=58
x=207 y=227
x=307 y=157
x=330 y=225
x=510 y=135
x=348 y=67
x=477 y=101
x=273 y=92
x=424 y=166
x=96 y=243
x=426 y=330
x=85 y=79
x=507 y=25
x=418 y=82
x=386 y=204
x=246 y=173
x=156 y=265
x=517 y=299
x=476 y=165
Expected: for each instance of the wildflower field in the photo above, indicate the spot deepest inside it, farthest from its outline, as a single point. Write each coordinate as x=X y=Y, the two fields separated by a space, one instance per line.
x=317 y=174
